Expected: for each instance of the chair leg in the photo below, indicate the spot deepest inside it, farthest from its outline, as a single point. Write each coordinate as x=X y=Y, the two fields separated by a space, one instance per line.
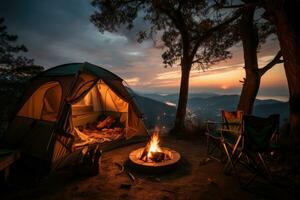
x=229 y=158
x=254 y=167
x=265 y=166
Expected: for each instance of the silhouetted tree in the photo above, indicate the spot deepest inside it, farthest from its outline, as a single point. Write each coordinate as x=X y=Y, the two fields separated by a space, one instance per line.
x=253 y=33
x=285 y=15
x=10 y=63
x=192 y=32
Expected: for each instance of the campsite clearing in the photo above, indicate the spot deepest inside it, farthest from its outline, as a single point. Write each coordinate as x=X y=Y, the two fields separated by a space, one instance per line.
x=194 y=179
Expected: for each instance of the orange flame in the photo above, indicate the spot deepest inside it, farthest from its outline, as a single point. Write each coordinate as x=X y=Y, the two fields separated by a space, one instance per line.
x=154 y=145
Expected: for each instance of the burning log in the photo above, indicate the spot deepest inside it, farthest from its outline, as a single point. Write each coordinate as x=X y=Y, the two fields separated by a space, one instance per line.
x=153 y=151
x=144 y=156
x=153 y=158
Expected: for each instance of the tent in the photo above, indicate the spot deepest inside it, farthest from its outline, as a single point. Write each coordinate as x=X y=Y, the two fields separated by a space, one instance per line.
x=61 y=102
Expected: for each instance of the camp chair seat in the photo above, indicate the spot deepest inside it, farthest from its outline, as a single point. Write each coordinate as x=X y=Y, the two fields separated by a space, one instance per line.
x=256 y=141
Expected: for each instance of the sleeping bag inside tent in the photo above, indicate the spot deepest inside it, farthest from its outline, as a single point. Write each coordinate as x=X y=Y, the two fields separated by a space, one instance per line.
x=99 y=116
x=70 y=107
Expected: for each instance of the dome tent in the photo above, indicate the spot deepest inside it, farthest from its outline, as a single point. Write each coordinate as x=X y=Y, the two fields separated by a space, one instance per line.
x=65 y=97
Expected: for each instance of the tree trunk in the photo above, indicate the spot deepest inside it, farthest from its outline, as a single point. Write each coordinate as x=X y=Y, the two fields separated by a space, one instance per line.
x=182 y=101
x=251 y=83
x=285 y=16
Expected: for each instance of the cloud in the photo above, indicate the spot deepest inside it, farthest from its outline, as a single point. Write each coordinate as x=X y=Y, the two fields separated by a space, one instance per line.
x=59 y=31
x=132 y=81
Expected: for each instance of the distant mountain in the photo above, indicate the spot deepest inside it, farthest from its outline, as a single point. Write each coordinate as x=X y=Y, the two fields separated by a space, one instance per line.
x=174 y=97
x=227 y=102
x=281 y=108
x=209 y=108
x=156 y=113
x=208 y=105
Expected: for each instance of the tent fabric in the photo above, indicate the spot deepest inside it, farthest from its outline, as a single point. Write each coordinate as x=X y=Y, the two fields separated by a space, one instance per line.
x=102 y=98
x=44 y=103
x=43 y=122
x=74 y=68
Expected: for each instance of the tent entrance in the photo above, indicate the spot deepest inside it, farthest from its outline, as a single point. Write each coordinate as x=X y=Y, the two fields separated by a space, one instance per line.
x=99 y=116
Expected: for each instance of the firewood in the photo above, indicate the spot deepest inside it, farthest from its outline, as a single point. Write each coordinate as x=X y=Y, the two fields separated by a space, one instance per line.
x=158 y=156
x=145 y=153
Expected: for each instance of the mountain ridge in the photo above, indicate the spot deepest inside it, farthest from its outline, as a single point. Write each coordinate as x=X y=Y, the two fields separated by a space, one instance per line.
x=207 y=106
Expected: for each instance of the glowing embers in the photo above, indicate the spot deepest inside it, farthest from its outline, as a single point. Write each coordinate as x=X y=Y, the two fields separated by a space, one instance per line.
x=153 y=156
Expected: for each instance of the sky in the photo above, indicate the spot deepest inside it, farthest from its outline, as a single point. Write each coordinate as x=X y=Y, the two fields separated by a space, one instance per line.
x=59 y=31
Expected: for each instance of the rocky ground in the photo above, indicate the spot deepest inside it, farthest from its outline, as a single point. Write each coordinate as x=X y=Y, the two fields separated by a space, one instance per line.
x=193 y=179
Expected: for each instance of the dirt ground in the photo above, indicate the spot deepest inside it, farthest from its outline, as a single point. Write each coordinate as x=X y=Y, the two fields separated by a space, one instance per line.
x=193 y=179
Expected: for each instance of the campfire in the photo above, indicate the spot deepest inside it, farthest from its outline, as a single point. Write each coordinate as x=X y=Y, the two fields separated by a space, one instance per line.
x=153 y=156
x=153 y=152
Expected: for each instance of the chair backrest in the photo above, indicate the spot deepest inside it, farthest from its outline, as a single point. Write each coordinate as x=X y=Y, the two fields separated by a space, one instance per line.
x=232 y=120
x=258 y=131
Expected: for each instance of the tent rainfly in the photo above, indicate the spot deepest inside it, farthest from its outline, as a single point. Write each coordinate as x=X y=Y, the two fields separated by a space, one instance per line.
x=69 y=107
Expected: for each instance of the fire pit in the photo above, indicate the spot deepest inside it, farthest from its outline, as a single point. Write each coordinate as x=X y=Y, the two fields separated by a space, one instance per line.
x=153 y=158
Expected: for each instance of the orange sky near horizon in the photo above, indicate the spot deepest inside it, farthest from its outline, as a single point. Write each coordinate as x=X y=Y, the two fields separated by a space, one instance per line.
x=222 y=77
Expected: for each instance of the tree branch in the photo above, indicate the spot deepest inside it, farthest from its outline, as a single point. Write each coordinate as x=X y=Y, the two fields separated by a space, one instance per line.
x=178 y=21
x=276 y=60
x=208 y=33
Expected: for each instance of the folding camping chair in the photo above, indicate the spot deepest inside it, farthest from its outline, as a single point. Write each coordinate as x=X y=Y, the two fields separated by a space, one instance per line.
x=256 y=142
x=224 y=135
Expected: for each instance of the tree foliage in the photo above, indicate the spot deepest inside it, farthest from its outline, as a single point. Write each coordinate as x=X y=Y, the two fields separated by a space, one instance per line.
x=10 y=62
x=185 y=27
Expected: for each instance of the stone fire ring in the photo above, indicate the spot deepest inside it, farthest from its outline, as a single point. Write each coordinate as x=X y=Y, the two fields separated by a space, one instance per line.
x=153 y=167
